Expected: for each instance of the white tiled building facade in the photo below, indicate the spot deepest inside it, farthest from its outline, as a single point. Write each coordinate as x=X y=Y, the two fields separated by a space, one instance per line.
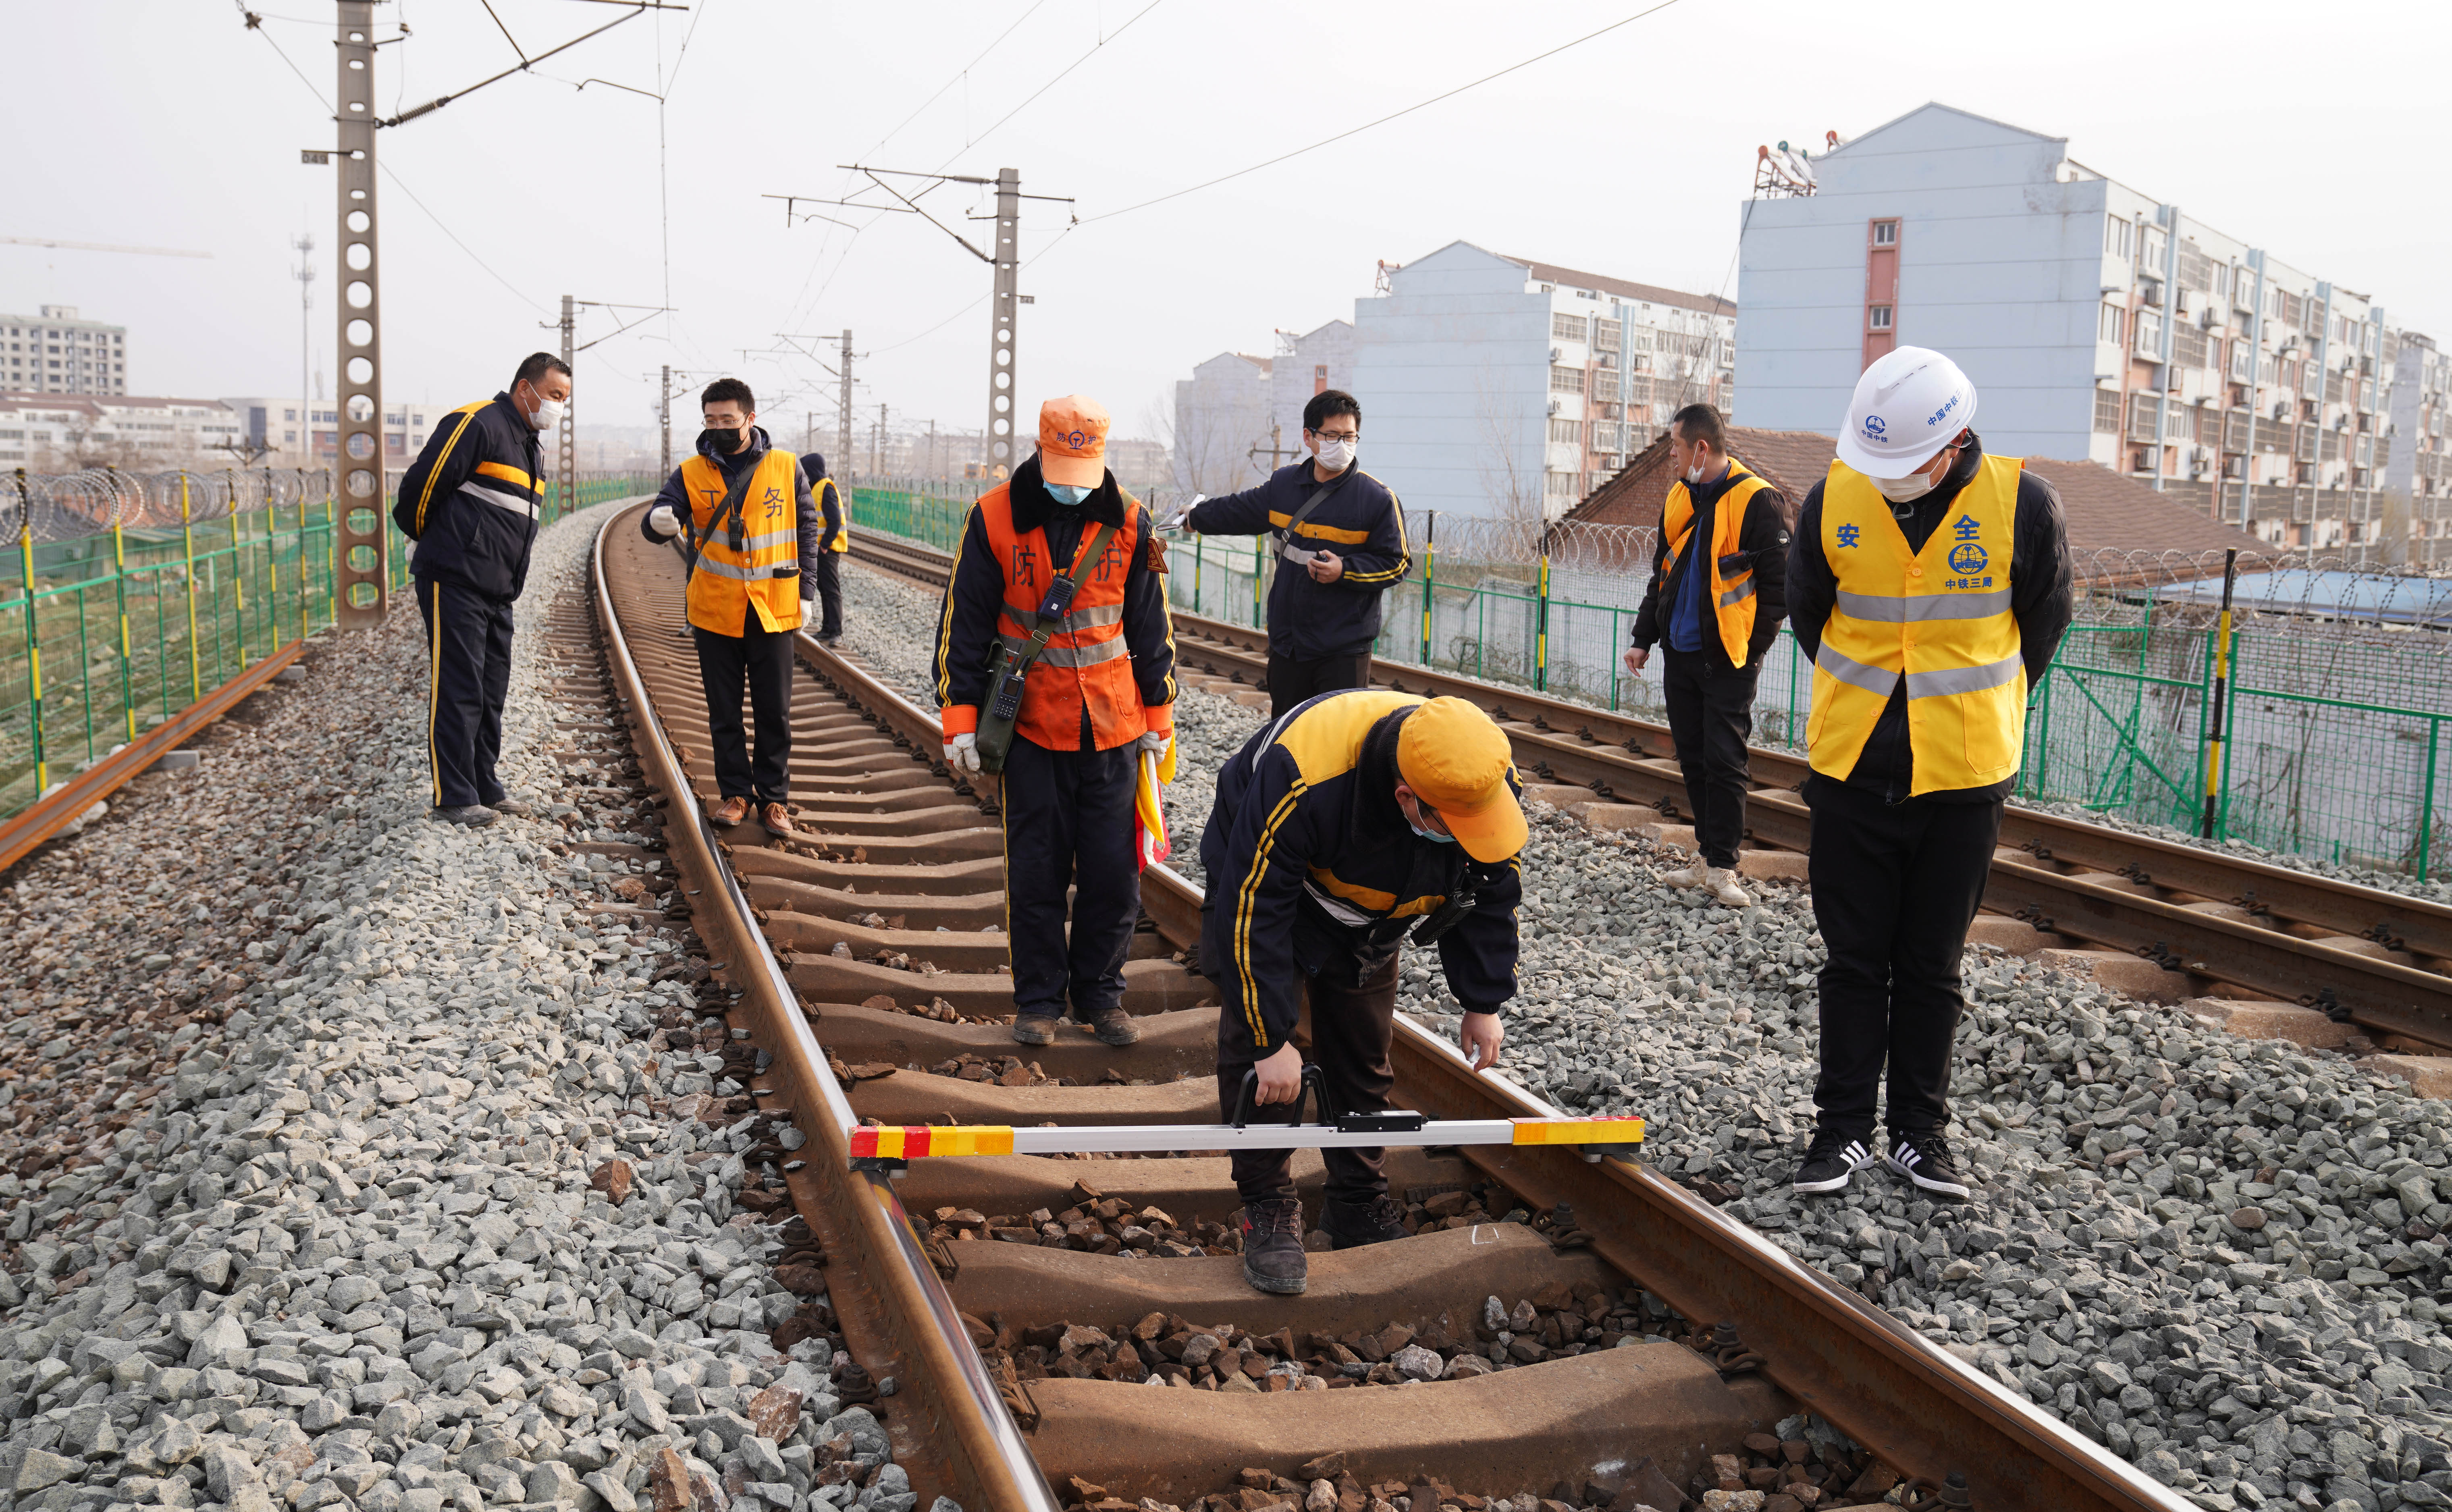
x=311 y=441
x=2095 y=320
x=59 y=352
x=62 y=432
x=1500 y=388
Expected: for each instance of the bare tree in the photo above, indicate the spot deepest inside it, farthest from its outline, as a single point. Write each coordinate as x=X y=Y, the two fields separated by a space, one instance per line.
x=1516 y=493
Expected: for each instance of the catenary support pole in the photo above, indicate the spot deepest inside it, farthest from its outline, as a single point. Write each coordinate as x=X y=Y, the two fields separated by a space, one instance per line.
x=364 y=577
x=1001 y=443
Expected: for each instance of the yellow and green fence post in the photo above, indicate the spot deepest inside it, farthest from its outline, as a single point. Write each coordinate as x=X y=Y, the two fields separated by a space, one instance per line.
x=33 y=631
x=195 y=653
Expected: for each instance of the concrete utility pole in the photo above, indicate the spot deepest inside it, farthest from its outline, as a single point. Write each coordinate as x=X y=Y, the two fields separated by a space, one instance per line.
x=842 y=458
x=358 y=318
x=305 y=274
x=665 y=413
x=566 y=471
x=2254 y=398
x=1003 y=453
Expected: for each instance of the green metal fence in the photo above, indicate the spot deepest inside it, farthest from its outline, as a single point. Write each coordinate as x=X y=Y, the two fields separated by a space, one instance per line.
x=127 y=596
x=2335 y=732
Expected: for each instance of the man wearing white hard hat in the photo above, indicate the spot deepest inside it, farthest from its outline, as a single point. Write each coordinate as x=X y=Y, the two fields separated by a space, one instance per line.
x=1930 y=584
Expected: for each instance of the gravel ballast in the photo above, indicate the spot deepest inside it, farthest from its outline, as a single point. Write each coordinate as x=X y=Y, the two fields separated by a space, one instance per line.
x=419 y=1224
x=2222 y=1258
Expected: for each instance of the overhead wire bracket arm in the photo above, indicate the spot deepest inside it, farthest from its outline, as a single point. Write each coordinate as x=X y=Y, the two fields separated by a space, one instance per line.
x=637 y=9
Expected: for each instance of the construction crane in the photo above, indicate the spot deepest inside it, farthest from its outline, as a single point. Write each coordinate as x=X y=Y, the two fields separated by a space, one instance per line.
x=100 y=247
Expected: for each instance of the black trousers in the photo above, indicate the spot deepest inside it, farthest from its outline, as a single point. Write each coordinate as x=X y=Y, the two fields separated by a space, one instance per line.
x=1068 y=821
x=1710 y=717
x=830 y=592
x=1292 y=681
x=468 y=674
x=1896 y=886
x=763 y=658
x=1351 y=1028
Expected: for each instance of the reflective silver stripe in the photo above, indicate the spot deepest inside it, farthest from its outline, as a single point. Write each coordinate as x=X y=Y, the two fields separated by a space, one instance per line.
x=1087 y=618
x=725 y=569
x=1339 y=909
x=1912 y=608
x=1738 y=593
x=1071 y=655
x=1964 y=680
x=514 y=502
x=1855 y=674
x=773 y=538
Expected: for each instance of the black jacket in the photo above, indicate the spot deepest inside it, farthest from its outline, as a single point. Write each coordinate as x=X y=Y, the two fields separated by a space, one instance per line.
x=974 y=589
x=829 y=498
x=1763 y=536
x=1360 y=520
x=1305 y=827
x=806 y=523
x=2041 y=595
x=470 y=499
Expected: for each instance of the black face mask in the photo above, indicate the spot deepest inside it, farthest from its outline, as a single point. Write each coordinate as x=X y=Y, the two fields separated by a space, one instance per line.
x=723 y=442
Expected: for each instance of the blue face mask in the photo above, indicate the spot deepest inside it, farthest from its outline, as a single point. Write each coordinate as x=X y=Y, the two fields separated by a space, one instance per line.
x=1069 y=492
x=1427 y=834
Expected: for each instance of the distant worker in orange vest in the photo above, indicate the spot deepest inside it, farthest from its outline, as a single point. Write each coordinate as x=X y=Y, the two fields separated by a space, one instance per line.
x=1714 y=603
x=743 y=505
x=1055 y=672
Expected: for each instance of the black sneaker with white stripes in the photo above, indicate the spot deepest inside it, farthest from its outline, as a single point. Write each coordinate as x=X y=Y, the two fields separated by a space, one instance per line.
x=1925 y=1159
x=1829 y=1161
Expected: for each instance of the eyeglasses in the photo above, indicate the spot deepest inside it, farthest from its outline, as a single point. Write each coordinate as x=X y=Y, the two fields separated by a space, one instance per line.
x=1335 y=435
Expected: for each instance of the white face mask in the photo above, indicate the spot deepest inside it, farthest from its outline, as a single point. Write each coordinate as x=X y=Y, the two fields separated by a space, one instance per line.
x=1904 y=490
x=1335 y=456
x=548 y=413
x=1695 y=475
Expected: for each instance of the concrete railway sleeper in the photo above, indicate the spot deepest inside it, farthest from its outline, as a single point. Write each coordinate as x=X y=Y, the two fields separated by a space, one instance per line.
x=2153 y=917
x=1010 y=1298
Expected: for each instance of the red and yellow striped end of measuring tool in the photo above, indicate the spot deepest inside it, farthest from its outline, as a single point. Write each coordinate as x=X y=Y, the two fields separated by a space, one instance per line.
x=910 y=1142
x=1398 y=1128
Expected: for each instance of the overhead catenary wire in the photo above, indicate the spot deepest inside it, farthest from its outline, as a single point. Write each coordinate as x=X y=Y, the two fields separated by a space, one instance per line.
x=1421 y=105
x=1059 y=78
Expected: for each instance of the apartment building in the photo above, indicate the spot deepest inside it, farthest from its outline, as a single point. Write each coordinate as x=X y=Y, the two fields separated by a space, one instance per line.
x=44 y=432
x=2097 y=320
x=60 y=352
x=1502 y=387
x=298 y=433
x=1221 y=424
x=2417 y=466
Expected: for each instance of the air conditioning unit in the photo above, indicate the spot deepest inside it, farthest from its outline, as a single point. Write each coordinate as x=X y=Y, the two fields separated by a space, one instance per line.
x=2209 y=318
x=2282 y=410
x=2150 y=291
x=1555 y=407
x=2198 y=467
x=1556 y=352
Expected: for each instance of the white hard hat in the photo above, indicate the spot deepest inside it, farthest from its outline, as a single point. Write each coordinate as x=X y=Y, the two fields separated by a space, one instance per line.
x=1908 y=406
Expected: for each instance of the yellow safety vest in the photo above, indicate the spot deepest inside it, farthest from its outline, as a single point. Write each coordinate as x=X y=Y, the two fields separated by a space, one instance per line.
x=1939 y=617
x=843 y=506
x=765 y=570
x=1733 y=597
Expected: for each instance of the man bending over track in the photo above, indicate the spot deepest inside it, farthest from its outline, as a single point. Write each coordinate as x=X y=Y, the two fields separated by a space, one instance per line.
x=1359 y=819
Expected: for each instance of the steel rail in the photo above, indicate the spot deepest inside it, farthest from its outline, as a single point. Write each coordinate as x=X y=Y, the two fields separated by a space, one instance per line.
x=1624 y=759
x=107 y=776
x=1924 y=1410
x=979 y=1456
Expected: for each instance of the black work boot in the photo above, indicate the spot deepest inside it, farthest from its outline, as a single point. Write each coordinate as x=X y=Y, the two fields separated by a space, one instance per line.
x=1353 y=1224
x=1114 y=1027
x=1273 y=1246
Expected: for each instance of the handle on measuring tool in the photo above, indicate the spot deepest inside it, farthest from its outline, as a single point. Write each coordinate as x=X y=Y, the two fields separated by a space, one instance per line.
x=1315 y=1087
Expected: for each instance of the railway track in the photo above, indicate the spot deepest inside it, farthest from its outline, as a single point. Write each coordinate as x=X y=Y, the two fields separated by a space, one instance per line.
x=1655 y=1333
x=2223 y=926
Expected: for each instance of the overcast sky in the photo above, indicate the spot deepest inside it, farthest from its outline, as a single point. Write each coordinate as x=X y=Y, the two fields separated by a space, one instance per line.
x=166 y=123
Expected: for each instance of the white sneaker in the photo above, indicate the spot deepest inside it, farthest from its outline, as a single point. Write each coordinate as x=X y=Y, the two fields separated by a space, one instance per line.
x=1686 y=877
x=1722 y=884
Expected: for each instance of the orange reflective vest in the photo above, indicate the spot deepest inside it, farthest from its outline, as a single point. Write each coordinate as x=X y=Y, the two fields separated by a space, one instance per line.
x=1733 y=596
x=1086 y=663
x=765 y=570
x=1937 y=619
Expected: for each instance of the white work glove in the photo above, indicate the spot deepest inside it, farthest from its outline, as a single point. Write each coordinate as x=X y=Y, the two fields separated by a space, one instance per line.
x=1154 y=741
x=663 y=522
x=802 y=623
x=962 y=753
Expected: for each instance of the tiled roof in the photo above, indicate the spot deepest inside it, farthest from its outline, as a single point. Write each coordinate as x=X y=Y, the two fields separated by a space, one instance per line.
x=2106 y=512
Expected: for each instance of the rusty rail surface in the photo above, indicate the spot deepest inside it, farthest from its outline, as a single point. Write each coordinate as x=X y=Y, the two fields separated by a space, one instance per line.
x=107 y=776
x=1624 y=759
x=1825 y=1347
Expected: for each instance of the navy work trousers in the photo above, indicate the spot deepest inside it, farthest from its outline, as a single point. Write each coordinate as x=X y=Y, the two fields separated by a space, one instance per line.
x=468 y=674
x=830 y=592
x=1068 y=821
x=1350 y=1029
x=1896 y=886
x=1293 y=683
x=1710 y=717
x=764 y=659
